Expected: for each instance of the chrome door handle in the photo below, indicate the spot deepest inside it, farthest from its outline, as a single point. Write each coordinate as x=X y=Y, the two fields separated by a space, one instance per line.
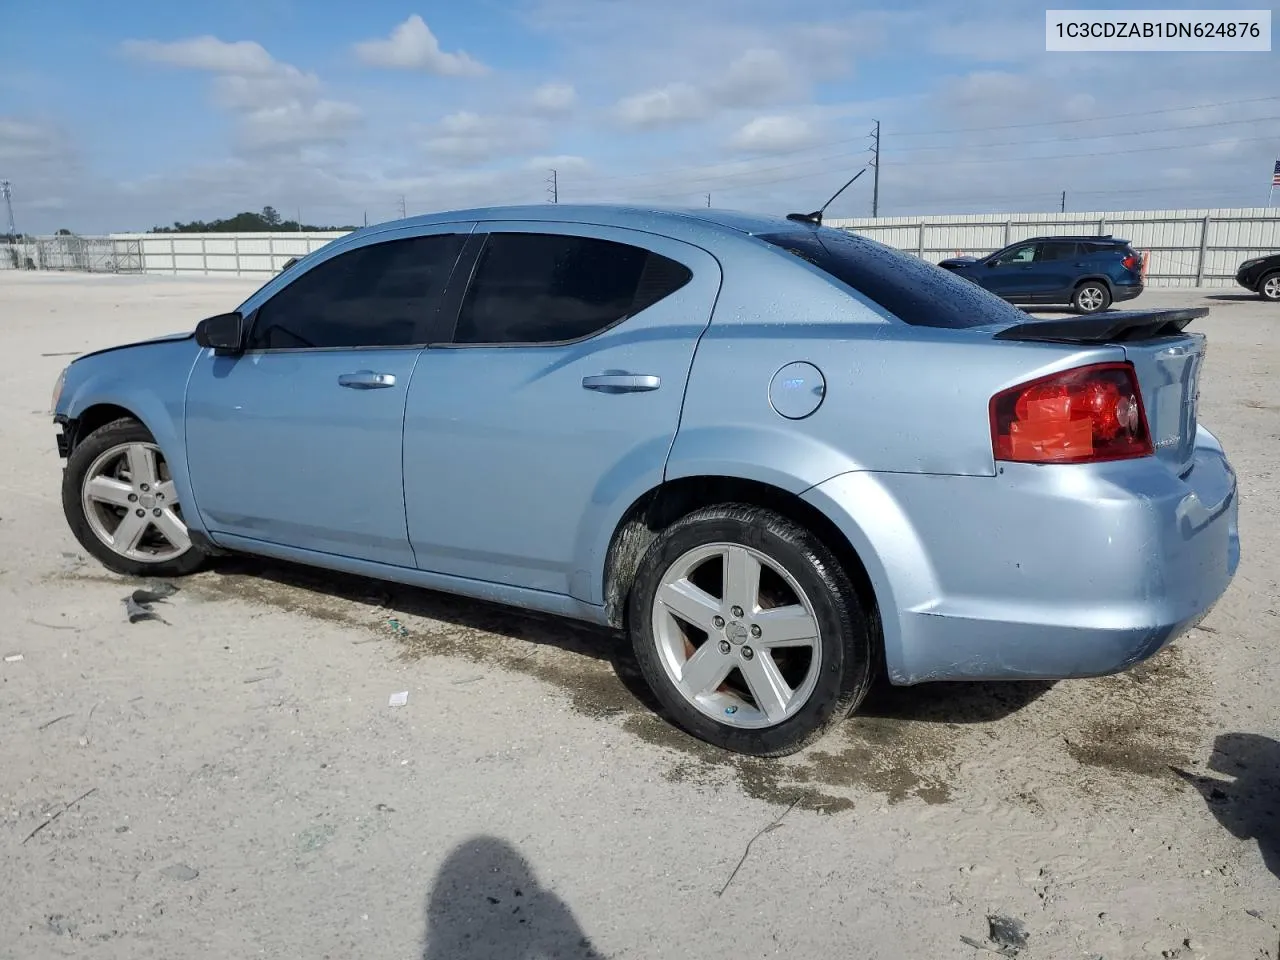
x=622 y=382
x=366 y=380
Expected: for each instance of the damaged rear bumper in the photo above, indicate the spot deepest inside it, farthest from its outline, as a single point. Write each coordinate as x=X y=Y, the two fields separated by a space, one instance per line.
x=1042 y=572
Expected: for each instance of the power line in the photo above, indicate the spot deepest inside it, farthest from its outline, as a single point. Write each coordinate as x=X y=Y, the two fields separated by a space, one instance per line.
x=666 y=171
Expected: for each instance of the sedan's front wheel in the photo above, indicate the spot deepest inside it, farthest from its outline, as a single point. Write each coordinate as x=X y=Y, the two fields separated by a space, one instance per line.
x=121 y=503
x=1269 y=288
x=748 y=630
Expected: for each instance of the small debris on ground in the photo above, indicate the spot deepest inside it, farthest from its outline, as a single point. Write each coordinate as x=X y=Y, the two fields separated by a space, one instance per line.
x=979 y=945
x=180 y=871
x=138 y=612
x=13 y=658
x=397 y=627
x=155 y=594
x=1006 y=931
x=399 y=699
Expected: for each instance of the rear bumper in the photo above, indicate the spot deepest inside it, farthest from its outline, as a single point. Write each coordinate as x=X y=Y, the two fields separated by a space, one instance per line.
x=1042 y=572
x=1119 y=294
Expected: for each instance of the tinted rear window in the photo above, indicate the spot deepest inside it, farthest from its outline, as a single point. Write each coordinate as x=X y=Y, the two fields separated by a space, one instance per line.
x=913 y=290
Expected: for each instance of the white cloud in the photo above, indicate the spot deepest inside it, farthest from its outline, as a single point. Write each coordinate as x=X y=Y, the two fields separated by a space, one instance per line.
x=665 y=106
x=205 y=53
x=554 y=98
x=277 y=104
x=757 y=77
x=467 y=136
x=774 y=133
x=561 y=163
x=412 y=46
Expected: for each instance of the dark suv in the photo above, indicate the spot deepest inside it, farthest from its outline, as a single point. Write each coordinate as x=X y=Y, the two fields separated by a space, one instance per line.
x=1090 y=273
x=1262 y=276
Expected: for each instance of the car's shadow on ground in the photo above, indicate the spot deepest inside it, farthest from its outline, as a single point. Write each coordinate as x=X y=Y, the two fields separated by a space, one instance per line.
x=1236 y=297
x=1248 y=804
x=954 y=702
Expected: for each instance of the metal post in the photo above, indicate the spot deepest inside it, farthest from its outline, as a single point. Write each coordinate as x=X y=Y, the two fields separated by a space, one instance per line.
x=1204 y=246
x=173 y=256
x=271 y=251
x=875 y=190
x=204 y=257
x=920 y=241
x=236 y=249
x=1008 y=232
x=1102 y=226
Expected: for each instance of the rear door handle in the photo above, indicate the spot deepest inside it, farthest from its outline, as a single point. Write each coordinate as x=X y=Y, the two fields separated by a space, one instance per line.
x=366 y=380
x=622 y=382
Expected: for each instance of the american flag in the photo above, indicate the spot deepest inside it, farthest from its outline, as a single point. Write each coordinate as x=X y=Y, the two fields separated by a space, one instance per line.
x=1275 y=177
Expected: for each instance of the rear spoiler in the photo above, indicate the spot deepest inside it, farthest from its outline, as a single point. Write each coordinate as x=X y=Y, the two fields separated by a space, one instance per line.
x=1111 y=327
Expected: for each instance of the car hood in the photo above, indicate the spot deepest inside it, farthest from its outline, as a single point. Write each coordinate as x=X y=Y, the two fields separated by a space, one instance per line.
x=959 y=261
x=165 y=338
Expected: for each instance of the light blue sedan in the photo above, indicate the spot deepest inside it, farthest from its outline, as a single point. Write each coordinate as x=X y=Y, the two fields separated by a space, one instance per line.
x=779 y=456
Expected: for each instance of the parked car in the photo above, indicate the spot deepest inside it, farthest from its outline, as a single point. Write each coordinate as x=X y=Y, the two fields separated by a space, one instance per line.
x=1089 y=273
x=776 y=455
x=1262 y=276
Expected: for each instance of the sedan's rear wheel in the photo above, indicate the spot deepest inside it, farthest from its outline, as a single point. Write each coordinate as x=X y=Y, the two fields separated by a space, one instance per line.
x=1269 y=288
x=748 y=630
x=122 y=505
x=1091 y=297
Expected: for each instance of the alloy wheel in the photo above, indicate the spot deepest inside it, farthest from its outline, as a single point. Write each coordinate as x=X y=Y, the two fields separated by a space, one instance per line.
x=737 y=635
x=131 y=504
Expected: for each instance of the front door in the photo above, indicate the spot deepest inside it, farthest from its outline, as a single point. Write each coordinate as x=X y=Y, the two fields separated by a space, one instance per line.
x=1010 y=274
x=297 y=441
x=555 y=404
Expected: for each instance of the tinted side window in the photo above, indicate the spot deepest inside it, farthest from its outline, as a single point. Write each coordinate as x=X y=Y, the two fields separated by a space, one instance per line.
x=1057 y=250
x=381 y=295
x=546 y=288
x=913 y=290
x=1023 y=254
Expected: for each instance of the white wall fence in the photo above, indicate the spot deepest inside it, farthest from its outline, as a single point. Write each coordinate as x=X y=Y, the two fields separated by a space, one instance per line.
x=1185 y=248
x=235 y=254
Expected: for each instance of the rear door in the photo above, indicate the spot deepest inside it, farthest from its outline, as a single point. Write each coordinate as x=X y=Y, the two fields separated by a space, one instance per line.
x=297 y=441
x=554 y=404
x=1056 y=269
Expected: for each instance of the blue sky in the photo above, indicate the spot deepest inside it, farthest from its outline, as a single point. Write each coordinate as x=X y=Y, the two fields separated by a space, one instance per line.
x=122 y=116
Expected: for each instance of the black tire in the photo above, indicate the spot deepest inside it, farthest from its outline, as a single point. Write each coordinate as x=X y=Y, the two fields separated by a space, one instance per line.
x=125 y=430
x=847 y=658
x=1274 y=278
x=1101 y=297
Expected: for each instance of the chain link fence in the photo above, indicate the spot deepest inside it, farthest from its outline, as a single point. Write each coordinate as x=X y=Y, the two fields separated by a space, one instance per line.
x=74 y=253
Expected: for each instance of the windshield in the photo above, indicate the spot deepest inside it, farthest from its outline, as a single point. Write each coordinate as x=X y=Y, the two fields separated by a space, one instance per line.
x=913 y=290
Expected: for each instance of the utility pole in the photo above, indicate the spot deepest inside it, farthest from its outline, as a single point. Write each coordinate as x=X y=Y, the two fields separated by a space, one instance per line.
x=1063 y=208
x=708 y=199
x=875 y=190
x=6 y=191
x=402 y=211
x=553 y=187
x=366 y=218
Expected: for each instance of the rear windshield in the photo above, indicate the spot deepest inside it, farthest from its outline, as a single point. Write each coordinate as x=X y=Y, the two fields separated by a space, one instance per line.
x=913 y=290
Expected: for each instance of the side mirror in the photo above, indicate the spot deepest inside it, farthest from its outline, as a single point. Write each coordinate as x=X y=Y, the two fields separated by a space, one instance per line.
x=993 y=263
x=224 y=333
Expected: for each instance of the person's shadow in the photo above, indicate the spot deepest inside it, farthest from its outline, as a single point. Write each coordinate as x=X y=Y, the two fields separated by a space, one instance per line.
x=1248 y=805
x=487 y=903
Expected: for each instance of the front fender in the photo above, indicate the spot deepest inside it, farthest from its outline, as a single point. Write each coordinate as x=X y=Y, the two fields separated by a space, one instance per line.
x=151 y=383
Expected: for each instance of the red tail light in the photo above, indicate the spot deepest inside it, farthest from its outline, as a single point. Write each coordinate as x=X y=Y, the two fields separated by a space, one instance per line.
x=1085 y=415
x=1130 y=262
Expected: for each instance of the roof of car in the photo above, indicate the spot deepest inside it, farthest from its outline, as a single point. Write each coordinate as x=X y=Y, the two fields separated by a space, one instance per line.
x=1089 y=238
x=618 y=215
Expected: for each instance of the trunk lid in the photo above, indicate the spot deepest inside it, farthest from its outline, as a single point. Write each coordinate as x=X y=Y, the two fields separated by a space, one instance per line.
x=1166 y=360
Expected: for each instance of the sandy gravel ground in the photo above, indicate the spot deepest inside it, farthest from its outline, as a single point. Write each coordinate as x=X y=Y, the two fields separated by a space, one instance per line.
x=232 y=782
